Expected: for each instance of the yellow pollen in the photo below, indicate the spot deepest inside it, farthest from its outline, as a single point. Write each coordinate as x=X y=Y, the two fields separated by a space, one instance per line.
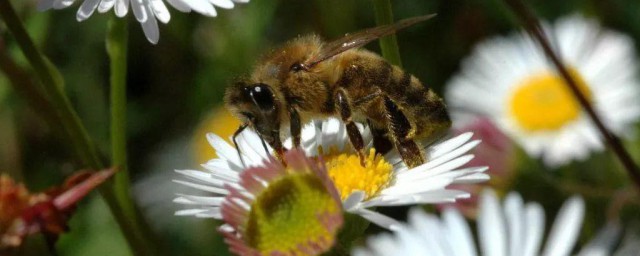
x=543 y=102
x=348 y=175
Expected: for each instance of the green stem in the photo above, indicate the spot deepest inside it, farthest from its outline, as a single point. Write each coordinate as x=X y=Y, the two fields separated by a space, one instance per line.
x=120 y=204
x=53 y=86
x=117 y=50
x=116 y=44
x=388 y=44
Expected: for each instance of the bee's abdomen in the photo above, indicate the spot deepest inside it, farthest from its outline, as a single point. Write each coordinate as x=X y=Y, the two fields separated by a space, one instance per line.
x=365 y=74
x=421 y=104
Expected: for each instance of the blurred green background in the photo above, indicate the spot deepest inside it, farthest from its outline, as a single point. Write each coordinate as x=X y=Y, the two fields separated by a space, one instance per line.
x=173 y=85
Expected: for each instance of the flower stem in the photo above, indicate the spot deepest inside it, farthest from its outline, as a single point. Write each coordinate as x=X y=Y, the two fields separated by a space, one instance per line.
x=67 y=120
x=53 y=87
x=531 y=23
x=388 y=44
x=117 y=49
x=116 y=45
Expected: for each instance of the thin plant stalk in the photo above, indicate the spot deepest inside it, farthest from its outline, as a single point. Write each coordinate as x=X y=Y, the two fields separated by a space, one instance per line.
x=116 y=46
x=388 y=44
x=53 y=87
x=65 y=116
x=531 y=23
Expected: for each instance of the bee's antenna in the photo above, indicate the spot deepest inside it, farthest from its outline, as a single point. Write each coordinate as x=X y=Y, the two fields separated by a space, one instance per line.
x=235 y=143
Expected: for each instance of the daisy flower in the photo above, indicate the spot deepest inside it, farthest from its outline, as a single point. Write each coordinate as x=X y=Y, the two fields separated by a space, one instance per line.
x=510 y=81
x=146 y=12
x=383 y=181
x=515 y=228
x=278 y=210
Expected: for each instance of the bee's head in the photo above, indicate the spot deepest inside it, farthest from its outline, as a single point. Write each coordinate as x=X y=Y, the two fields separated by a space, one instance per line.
x=256 y=104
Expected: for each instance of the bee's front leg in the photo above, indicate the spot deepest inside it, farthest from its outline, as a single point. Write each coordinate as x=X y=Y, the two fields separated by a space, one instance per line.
x=235 y=142
x=295 y=126
x=343 y=105
x=401 y=130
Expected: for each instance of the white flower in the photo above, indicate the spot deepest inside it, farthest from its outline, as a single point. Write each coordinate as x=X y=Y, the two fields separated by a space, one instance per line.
x=401 y=186
x=515 y=229
x=147 y=12
x=510 y=81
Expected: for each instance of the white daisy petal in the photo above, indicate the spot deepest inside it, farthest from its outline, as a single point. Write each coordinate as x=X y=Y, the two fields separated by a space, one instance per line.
x=202 y=7
x=534 y=216
x=180 y=5
x=106 y=5
x=199 y=200
x=122 y=8
x=564 y=232
x=513 y=212
x=449 y=145
x=518 y=231
x=491 y=227
x=61 y=4
x=226 y=4
x=189 y=212
x=354 y=199
x=140 y=11
x=203 y=187
x=458 y=231
x=86 y=9
x=160 y=11
x=378 y=219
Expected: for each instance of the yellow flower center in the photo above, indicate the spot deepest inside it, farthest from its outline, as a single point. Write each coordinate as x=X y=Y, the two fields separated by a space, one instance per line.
x=293 y=212
x=348 y=175
x=543 y=102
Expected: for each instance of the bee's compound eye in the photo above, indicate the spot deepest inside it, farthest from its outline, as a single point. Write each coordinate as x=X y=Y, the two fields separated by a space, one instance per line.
x=262 y=95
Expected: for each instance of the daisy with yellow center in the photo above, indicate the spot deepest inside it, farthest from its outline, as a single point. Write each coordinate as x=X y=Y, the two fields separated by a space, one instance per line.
x=279 y=210
x=382 y=181
x=510 y=81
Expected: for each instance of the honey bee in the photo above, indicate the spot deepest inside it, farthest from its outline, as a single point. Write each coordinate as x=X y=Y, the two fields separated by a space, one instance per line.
x=307 y=79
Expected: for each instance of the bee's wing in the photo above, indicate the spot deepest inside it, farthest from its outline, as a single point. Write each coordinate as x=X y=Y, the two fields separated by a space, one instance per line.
x=361 y=38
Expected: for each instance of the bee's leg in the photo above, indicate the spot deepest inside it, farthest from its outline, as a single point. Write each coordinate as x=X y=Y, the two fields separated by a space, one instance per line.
x=400 y=128
x=343 y=105
x=296 y=126
x=235 y=143
x=381 y=142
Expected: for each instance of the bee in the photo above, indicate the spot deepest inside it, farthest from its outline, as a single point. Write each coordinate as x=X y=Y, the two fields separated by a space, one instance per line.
x=307 y=79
